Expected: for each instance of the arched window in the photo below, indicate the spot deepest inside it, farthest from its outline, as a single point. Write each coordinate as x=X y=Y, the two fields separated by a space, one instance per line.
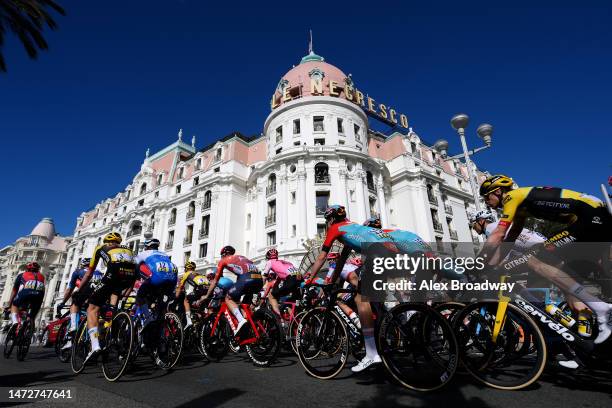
x=370 y=180
x=198 y=164
x=143 y=188
x=191 y=210
x=271 y=187
x=159 y=179
x=135 y=229
x=218 y=154
x=181 y=172
x=207 y=199
x=172 y=219
x=321 y=173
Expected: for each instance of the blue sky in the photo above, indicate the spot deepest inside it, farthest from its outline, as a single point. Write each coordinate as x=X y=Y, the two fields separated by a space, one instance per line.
x=122 y=76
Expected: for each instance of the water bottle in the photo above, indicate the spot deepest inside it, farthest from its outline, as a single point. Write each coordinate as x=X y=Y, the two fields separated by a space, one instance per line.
x=558 y=314
x=584 y=324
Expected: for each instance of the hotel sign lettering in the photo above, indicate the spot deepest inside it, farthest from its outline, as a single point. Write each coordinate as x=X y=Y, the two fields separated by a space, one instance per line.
x=369 y=105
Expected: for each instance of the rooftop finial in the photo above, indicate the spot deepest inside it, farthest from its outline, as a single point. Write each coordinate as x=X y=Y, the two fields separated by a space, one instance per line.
x=193 y=141
x=147 y=153
x=310 y=50
x=180 y=135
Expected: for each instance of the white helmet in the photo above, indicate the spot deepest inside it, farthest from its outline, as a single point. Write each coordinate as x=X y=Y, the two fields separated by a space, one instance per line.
x=485 y=214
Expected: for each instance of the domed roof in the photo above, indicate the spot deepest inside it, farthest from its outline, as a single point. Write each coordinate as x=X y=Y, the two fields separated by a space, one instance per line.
x=45 y=228
x=312 y=66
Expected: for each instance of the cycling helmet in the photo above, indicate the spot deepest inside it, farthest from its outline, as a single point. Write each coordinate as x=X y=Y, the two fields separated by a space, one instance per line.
x=272 y=254
x=190 y=266
x=210 y=275
x=333 y=255
x=228 y=250
x=85 y=262
x=33 y=267
x=151 y=243
x=495 y=182
x=113 y=237
x=486 y=215
x=335 y=212
x=373 y=222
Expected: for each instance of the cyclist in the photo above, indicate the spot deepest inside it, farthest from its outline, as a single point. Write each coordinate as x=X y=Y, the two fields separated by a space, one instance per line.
x=194 y=285
x=483 y=222
x=119 y=276
x=248 y=282
x=79 y=296
x=158 y=275
x=584 y=219
x=282 y=279
x=28 y=291
x=350 y=277
x=223 y=286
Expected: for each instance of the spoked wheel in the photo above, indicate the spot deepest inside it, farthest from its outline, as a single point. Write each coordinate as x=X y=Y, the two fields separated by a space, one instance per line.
x=293 y=329
x=170 y=343
x=118 y=345
x=60 y=342
x=418 y=346
x=9 y=341
x=214 y=345
x=80 y=348
x=24 y=339
x=322 y=343
x=264 y=350
x=515 y=360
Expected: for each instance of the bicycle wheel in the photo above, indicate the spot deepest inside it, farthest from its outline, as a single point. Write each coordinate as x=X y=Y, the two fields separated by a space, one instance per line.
x=118 y=343
x=24 y=339
x=9 y=341
x=418 y=346
x=170 y=344
x=216 y=345
x=322 y=343
x=80 y=348
x=265 y=349
x=293 y=327
x=60 y=342
x=515 y=360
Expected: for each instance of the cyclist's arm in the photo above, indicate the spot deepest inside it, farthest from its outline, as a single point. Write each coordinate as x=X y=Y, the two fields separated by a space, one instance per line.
x=346 y=251
x=492 y=245
x=316 y=267
x=222 y=265
x=92 y=266
x=181 y=284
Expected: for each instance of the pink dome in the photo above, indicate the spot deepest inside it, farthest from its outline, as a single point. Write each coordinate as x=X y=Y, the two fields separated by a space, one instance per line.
x=45 y=228
x=298 y=79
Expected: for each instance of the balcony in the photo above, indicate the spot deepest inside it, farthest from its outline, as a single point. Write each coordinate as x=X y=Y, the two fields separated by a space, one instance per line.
x=134 y=232
x=433 y=200
x=169 y=245
x=453 y=235
x=190 y=214
x=417 y=154
x=203 y=233
x=322 y=178
x=270 y=220
x=206 y=205
x=371 y=186
x=172 y=221
x=448 y=208
x=320 y=211
x=271 y=189
x=187 y=241
x=437 y=226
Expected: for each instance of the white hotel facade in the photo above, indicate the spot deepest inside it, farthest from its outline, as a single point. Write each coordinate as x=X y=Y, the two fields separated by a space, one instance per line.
x=270 y=191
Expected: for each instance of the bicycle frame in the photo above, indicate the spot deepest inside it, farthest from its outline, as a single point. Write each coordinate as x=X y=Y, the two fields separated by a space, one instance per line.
x=225 y=313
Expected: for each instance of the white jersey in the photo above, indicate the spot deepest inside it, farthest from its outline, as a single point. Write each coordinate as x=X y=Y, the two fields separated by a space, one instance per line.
x=524 y=241
x=348 y=268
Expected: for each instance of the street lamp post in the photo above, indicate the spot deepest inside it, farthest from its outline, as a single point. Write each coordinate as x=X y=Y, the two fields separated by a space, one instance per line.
x=459 y=122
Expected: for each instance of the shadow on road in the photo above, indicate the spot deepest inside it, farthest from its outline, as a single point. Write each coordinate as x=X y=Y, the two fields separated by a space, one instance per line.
x=35 y=378
x=213 y=399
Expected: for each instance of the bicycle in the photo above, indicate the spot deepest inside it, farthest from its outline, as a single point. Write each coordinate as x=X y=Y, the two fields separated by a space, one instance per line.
x=116 y=340
x=20 y=335
x=262 y=341
x=63 y=336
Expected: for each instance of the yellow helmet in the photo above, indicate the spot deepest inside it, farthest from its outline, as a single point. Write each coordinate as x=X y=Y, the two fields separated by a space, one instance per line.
x=190 y=266
x=113 y=237
x=494 y=182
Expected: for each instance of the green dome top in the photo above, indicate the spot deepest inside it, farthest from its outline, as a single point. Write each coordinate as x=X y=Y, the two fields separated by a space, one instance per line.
x=311 y=57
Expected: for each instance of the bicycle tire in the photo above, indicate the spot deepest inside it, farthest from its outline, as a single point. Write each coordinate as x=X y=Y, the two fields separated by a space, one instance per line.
x=293 y=326
x=418 y=347
x=172 y=336
x=60 y=342
x=217 y=346
x=24 y=340
x=319 y=324
x=119 y=337
x=79 y=349
x=488 y=362
x=264 y=351
x=9 y=341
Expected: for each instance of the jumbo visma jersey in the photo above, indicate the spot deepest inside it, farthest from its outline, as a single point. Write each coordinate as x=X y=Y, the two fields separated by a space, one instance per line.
x=119 y=261
x=548 y=203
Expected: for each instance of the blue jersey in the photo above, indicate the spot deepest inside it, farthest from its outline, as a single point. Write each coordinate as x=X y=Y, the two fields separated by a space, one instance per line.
x=408 y=242
x=156 y=266
x=77 y=277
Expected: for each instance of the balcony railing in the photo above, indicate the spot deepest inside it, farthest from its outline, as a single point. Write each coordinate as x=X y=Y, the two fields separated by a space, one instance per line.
x=270 y=220
x=172 y=221
x=448 y=209
x=453 y=235
x=433 y=200
x=206 y=205
x=371 y=186
x=203 y=233
x=320 y=211
x=190 y=214
x=168 y=245
x=134 y=232
x=187 y=241
x=322 y=178
x=271 y=189
x=417 y=154
x=437 y=226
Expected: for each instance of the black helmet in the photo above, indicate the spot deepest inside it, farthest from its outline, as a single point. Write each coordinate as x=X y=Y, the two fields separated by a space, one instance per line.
x=373 y=222
x=272 y=254
x=84 y=262
x=228 y=250
x=335 y=213
x=151 y=243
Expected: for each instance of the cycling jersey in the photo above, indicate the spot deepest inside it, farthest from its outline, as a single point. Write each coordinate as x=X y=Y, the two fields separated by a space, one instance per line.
x=346 y=271
x=119 y=261
x=524 y=241
x=549 y=203
x=237 y=264
x=156 y=266
x=354 y=235
x=193 y=282
x=77 y=276
x=408 y=242
x=30 y=288
x=281 y=268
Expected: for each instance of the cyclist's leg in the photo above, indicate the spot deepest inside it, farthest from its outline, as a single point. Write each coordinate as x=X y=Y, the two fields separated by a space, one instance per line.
x=233 y=297
x=275 y=294
x=98 y=298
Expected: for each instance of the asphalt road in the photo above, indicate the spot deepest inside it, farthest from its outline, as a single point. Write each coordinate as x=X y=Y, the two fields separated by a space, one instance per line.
x=235 y=382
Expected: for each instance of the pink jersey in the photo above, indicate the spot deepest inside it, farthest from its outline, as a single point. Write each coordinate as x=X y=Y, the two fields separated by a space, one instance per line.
x=281 y=268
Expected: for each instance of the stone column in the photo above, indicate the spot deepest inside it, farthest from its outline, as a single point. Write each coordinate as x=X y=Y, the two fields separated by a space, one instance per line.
x=282 y=206
x=382 y=204
x=301 y=205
